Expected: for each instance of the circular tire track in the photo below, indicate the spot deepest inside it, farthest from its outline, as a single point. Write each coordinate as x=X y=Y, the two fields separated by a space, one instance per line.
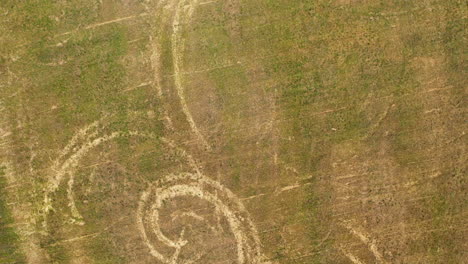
x=201 y=187
x=184 y=184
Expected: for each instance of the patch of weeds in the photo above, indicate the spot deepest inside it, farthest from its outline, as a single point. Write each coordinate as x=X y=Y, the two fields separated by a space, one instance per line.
x=146 y=163
x=9 y=240
x=318 y=222
x=103 y=250
x=442 y=242
x=405 y=141
x=56 y=251
x=33 y=17
x=454 y=41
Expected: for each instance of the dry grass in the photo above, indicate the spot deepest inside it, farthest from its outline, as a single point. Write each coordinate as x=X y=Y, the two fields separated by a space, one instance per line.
x=328 y=131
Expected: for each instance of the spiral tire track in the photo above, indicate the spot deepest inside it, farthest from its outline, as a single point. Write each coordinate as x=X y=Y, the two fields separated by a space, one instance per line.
x=186 y=184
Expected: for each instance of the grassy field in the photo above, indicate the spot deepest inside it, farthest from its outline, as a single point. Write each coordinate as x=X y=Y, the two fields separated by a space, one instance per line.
x=233 y=131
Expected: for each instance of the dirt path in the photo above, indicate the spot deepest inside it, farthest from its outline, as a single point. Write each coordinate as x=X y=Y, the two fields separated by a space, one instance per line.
x=181 y=17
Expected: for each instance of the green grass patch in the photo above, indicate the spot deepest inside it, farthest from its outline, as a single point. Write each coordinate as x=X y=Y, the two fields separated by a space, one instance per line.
x=9 y=240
